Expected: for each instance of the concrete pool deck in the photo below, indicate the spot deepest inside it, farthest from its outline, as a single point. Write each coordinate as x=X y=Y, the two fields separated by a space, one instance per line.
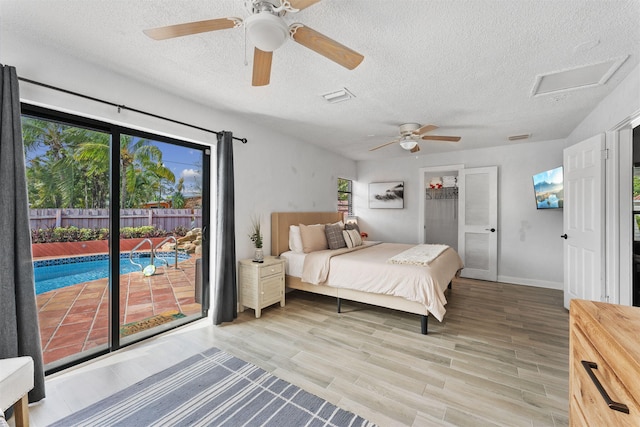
x=75 y=318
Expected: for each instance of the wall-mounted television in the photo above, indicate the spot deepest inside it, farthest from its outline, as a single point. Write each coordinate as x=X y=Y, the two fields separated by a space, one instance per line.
x=549 y=189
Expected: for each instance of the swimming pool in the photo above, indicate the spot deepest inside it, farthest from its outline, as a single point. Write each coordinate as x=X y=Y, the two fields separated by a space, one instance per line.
x=58 y=273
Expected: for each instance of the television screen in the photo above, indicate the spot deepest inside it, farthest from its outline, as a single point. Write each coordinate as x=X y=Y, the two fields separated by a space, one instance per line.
x=549 y=189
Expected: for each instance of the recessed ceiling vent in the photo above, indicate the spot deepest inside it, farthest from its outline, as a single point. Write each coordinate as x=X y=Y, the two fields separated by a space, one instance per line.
x=577 y=78
x=519 y=137
x=338 y=96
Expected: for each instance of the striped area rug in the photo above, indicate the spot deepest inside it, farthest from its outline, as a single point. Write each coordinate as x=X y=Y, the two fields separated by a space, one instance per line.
x=212 y=388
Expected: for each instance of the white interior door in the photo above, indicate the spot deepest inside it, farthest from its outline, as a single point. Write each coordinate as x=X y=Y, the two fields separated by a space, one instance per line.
x=584 y=220
x=478 y=221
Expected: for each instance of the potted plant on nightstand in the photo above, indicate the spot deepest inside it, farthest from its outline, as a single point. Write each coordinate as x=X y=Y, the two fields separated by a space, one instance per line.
x=256 y=238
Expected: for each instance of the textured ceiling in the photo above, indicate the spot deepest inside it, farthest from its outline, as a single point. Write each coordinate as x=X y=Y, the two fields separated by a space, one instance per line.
x=466 y=66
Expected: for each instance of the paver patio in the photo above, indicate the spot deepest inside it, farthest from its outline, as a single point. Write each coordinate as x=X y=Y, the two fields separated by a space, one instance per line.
x=75 y=318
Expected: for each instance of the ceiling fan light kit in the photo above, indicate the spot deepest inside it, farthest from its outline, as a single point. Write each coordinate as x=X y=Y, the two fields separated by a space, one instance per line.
x=266 y=31
x=408 y=144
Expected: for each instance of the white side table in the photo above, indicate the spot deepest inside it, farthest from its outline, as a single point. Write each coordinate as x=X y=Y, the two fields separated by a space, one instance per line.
x=261 y=284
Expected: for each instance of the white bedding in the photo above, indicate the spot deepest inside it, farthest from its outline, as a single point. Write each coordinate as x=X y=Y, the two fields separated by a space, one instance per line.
x=293 y=262
x=368 y=270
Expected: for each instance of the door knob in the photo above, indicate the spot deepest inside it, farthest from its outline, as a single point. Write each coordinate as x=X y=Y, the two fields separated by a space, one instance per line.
x=564 y=236
x=493 y=230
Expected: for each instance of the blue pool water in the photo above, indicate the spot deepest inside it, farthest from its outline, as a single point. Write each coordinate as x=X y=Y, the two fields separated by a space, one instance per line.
x=59 y=273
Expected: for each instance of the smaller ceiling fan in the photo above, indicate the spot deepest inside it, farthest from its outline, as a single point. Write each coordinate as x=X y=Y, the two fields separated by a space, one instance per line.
x=268 y=30
x=410 y=133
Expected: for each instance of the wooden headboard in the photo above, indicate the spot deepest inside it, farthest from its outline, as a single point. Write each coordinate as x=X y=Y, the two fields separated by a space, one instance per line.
x=280 y=222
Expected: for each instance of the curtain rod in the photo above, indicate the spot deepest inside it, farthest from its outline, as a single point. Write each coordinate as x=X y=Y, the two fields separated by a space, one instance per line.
x=124 y=107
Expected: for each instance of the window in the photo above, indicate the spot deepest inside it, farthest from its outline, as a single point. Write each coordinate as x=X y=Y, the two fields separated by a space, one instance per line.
x=345 y=197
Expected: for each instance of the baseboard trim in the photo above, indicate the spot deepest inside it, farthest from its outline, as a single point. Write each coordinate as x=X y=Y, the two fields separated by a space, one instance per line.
x=531 y=282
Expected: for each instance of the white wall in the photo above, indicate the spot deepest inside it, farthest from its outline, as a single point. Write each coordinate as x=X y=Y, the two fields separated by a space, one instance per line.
x=529 y=243
x=273 y=171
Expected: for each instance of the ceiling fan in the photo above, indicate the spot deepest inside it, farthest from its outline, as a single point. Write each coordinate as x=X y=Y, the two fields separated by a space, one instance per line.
x=267 y=29
x=411 y=133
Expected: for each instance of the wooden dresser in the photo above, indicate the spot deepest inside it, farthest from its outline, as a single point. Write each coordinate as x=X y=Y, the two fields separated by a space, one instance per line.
x=604 y=359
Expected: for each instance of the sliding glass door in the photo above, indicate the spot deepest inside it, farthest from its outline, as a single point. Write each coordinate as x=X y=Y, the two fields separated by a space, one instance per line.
x=69 y=219
x=160 y=195
x=111 y=273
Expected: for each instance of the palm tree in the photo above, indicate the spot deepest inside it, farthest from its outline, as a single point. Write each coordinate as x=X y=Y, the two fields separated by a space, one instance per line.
x=56 y=179
x=141 y=168
x=69 y=166
x=177 y=199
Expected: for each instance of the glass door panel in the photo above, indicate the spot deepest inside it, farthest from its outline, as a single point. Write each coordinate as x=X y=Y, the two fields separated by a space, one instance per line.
x=161 y=245
x=68 y=184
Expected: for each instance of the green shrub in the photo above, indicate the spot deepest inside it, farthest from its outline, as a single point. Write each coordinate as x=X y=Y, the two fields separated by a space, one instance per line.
x=75 y=234
x=145 y=231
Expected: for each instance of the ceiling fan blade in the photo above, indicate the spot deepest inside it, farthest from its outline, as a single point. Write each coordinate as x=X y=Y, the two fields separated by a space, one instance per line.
x=442 y=138
x=384 y=145
x=302 y=4
x=415 y=149
x=425 y=129
x=179 y=30
x=261 y=67
x=325 y=46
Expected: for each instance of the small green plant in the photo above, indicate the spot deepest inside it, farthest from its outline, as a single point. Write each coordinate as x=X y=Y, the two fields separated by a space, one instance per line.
x=256 y=235
x=180 y=231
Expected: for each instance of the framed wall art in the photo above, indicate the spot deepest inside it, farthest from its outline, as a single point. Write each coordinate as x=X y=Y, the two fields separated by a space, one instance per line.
x=386 y=195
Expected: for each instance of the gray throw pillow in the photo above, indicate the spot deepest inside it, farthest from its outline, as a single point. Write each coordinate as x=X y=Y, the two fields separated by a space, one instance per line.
x=335 y=239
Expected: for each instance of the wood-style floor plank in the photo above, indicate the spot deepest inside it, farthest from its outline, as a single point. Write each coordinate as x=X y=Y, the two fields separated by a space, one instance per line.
x=499 y=358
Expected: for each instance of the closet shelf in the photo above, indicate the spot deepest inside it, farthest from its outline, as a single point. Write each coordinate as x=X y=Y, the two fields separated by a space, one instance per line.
x=442 y=193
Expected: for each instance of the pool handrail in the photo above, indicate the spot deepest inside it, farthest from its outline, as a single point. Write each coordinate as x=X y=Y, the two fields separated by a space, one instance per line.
x=136 y=247
x=175 y=247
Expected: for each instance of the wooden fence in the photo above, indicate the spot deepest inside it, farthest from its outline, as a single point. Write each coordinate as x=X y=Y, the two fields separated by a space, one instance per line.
x=165 y=219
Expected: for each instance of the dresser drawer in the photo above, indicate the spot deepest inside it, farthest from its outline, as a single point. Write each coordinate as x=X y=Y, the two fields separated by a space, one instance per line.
x=271 y=270
x=587 y=405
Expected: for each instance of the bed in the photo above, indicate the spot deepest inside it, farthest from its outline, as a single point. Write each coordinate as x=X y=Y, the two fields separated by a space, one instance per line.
x=438 y=274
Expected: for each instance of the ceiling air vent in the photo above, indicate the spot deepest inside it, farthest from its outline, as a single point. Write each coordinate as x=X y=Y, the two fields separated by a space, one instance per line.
x=338 y=96
x=519 y=137
x=577 y=78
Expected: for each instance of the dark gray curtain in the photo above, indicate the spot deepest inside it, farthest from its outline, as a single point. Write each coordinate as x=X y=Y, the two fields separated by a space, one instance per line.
x=225 y=300
x=20 y=334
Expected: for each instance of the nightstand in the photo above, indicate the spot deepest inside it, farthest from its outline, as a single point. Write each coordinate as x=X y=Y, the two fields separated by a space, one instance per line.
x=260 y=284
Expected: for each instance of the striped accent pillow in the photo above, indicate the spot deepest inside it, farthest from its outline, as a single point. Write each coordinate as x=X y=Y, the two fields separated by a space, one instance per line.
x=352 y=238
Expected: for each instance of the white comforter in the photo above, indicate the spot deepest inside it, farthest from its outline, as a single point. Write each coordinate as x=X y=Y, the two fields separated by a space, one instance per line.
x=367 y=270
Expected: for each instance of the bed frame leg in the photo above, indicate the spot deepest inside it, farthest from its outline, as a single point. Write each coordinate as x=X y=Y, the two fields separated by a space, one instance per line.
x=423 y=324
x=339 y=305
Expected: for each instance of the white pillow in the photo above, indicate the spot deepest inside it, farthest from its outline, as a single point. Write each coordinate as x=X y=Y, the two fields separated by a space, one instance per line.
x=352 y=238
x=295 y=239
